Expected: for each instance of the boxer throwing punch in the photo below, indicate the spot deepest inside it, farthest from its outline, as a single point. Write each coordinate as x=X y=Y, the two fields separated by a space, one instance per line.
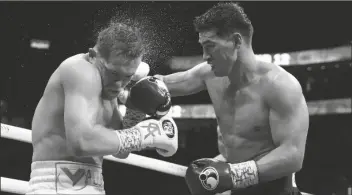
x=77 y=122
x=260 y=108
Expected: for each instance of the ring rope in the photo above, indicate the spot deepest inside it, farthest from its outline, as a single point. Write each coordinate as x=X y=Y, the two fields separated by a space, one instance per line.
x=25 y=135
x=13 y=186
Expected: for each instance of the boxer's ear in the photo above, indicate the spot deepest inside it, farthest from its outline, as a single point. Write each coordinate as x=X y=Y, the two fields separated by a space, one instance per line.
x=92 y=53
x=236 y=39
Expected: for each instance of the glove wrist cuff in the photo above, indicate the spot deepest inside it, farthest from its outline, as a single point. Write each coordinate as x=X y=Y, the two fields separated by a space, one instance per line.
x=130 y=140
x=132 y=118
x=244 y=174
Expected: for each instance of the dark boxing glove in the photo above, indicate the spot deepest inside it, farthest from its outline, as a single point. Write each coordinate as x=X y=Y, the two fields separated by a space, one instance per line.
x=209 y=176
x=150 y=96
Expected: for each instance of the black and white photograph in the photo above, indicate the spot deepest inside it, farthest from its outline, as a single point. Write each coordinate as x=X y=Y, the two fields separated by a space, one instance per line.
x=176 y=97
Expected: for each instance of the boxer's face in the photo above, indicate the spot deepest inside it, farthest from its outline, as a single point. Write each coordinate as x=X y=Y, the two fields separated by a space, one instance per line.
x=219 y=52
x=117 y=72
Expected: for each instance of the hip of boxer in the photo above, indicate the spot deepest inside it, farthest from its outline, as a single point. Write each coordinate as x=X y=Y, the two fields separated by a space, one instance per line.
x=65 y=177
x=282 y=186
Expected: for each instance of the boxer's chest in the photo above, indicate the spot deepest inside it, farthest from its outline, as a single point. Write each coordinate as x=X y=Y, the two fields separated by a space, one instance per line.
x=242 y=115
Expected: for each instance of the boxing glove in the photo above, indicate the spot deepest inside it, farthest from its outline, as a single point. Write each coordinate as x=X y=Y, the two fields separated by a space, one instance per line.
x=132 y=116
x=141 y=72
x=150 y=96
x=208 y=176
x=161 y=134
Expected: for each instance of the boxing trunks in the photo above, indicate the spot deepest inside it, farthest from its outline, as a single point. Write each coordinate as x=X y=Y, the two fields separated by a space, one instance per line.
x=282 y=186
x=65 y=177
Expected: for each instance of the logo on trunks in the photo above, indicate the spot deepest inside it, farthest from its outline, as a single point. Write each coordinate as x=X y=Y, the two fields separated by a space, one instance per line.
x=209 y=178
x=69 y=176
x=168 y=128
x=152 y=128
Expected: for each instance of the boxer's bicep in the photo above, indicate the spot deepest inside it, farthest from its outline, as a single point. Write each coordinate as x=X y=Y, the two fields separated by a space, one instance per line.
x=80 y=92
x=289 y=117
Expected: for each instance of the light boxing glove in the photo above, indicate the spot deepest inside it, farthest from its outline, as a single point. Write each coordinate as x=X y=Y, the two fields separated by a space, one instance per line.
x=161 y=134
x=132 y=116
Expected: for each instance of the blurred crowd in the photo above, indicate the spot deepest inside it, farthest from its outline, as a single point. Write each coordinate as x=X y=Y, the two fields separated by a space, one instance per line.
x=13 y=119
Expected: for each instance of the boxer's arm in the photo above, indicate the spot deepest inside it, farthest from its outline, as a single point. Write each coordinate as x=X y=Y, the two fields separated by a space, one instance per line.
x=289 y=121
x=187 y=82
x=131 y=118
x=221 y=148
x=84 y=137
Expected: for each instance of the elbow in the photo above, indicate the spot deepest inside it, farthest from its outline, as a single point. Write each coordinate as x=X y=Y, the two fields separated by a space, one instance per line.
x=77 y=150
x=297 y=166
x=78 y=146
x=297 y=161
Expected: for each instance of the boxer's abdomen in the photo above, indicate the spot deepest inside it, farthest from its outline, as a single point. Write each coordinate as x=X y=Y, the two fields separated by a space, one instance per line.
x=245 y=150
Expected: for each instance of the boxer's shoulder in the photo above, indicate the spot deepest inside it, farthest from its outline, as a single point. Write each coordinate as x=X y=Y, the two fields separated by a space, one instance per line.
x=75 y=71
x=280 y=82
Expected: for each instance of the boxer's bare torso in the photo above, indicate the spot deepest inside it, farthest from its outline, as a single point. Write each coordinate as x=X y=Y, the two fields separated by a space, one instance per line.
x=243 y=115
x=243 y=119
x=48 y=127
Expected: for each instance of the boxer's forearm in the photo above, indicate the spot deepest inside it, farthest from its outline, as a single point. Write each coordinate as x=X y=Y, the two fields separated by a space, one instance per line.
x=96 y=141
x=174 y=83
x=182 y=83
x=280 y=162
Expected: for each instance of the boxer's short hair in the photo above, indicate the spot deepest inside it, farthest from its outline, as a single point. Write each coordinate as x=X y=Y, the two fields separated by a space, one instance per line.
x=120 y=37
x=225 y=18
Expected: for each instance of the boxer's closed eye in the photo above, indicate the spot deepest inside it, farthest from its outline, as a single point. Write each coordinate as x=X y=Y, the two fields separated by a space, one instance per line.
x=129 y=76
